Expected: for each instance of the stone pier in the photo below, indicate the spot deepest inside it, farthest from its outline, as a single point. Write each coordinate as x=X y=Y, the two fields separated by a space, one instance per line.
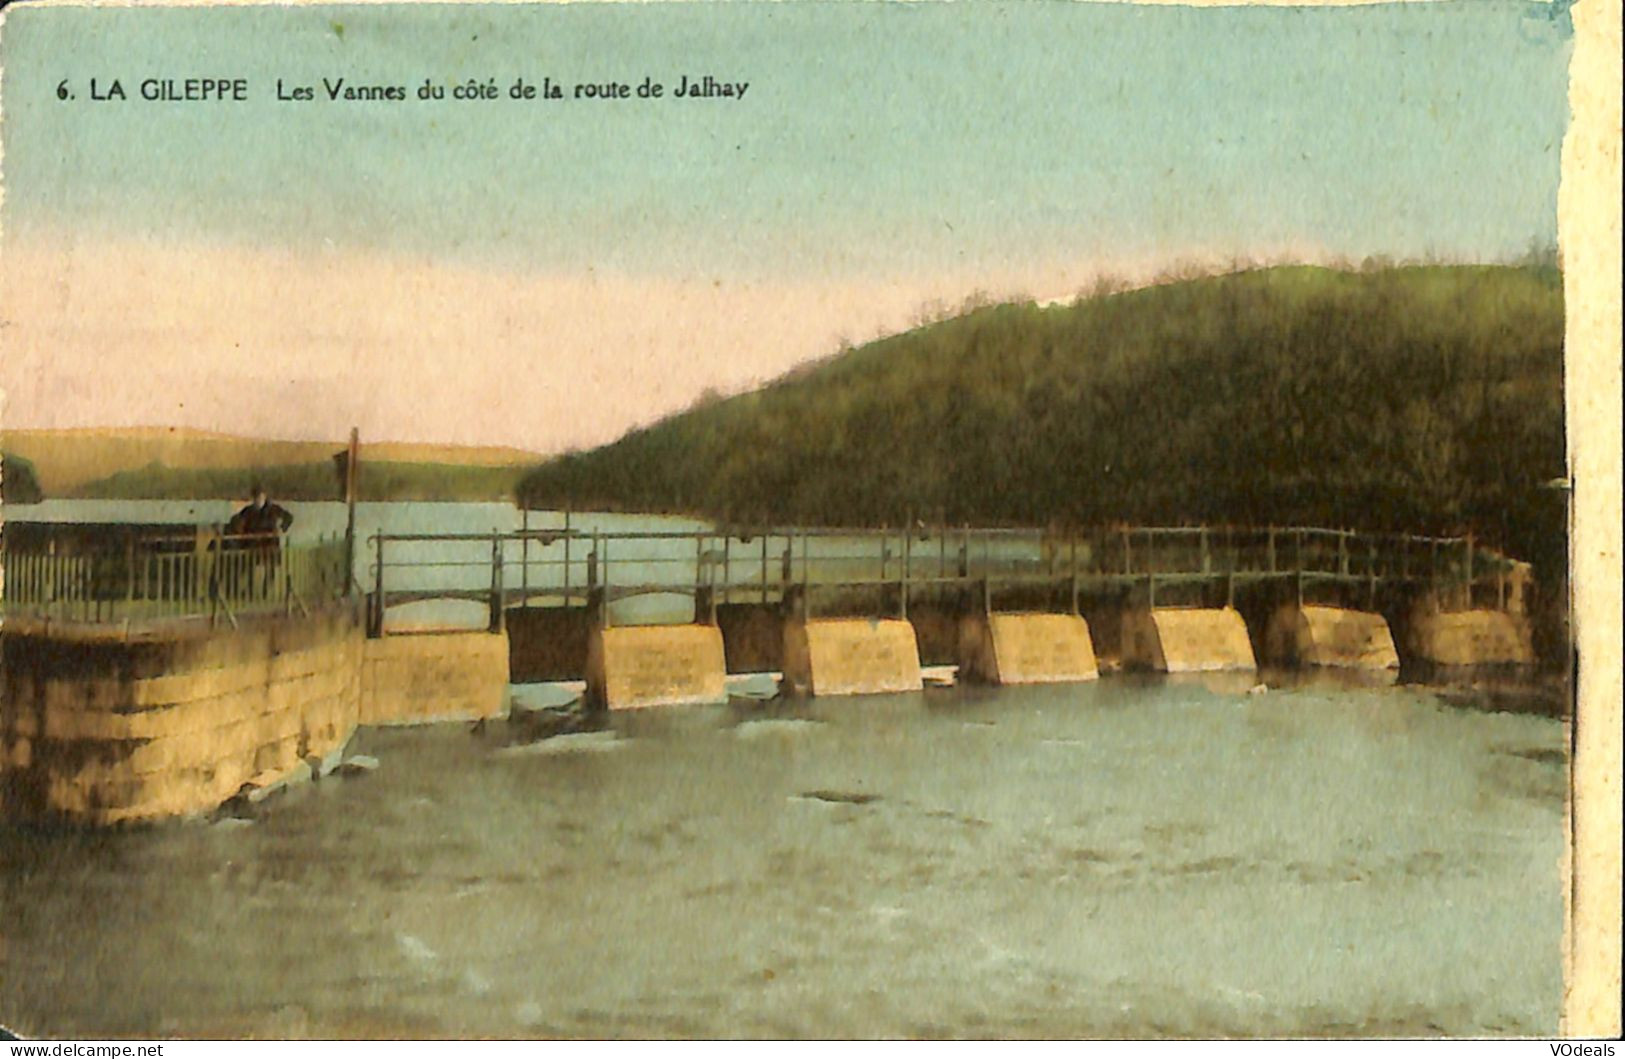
x=1329 y=636
x=427 y=677
x=635 y=666
x=850 y=656
x=1186 y=640
x=1469 y=638
x=1025 y=649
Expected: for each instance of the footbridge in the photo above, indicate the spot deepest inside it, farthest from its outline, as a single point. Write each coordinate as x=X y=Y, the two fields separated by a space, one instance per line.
x=648 y=617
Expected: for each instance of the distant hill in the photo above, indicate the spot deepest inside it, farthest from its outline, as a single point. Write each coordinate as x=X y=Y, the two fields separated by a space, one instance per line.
x=1422 y=398
x=380 y=480
x=174 y=463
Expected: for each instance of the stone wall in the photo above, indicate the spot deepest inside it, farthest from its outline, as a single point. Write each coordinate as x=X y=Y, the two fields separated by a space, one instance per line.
x=96 y=728
x=427 y=677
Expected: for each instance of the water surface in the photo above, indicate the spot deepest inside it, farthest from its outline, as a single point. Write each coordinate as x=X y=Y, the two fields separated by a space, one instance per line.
x=1130 y=857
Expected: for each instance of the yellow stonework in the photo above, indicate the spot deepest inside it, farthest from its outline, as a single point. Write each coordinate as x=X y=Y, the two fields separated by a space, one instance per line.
x=1186 y=640
x=97 y=729
x=1330 y=636
x=851 y=656
x=418 y=679
x=637 y=666
x=1470 y=638
x=1026 y=649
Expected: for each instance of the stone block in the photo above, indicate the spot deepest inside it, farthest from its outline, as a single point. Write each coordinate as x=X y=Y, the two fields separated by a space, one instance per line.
x=1026 y=649
x=635 y=666
x=1186 y=640
x=851 y=656
x=1329 y=636
x=1470 y=638
x=421 y=678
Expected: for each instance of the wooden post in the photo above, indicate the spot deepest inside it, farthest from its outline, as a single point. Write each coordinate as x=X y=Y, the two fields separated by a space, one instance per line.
x=1073 y=541
x=1468 y=572
x=600 y=548
x=497 y=602
x=524 y=557
x=378 y=587
x=352 y=484
x=567 y=532
x=908 y=551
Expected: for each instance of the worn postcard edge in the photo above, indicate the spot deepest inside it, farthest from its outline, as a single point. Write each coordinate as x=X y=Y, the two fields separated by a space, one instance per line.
x=1589 y=238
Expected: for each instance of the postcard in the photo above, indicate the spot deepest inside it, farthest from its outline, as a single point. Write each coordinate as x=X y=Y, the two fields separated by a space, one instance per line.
x=702 y=520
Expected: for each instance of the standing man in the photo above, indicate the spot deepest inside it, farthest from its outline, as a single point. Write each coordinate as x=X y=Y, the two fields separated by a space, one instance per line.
x=258 y=528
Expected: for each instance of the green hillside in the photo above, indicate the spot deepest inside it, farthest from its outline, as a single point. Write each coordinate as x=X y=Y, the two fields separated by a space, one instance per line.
x=1423 y=398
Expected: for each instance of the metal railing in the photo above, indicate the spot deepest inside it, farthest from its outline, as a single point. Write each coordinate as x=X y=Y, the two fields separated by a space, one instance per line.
x=204 y=575
x=809 y=567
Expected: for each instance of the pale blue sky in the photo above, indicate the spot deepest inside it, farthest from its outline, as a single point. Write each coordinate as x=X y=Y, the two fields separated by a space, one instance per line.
x=551 y=273
x=895 y=135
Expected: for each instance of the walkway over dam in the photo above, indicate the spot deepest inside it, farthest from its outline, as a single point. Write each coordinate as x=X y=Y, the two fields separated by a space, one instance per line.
x=1162 y=598
x=156 y=675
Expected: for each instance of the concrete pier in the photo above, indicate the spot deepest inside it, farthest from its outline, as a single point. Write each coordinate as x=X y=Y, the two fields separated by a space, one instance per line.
x=635 y=666
x=1469 y=638
x=419 y=679
x=1186 y=640
x=1329 y=636
x=1025 y=649
x=850 y=656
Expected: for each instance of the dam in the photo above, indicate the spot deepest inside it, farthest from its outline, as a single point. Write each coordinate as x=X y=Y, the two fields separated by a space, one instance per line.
x=161 y=676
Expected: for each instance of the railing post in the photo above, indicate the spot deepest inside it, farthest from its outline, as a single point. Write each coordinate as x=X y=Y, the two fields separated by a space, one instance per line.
x=601 y=548
x=1073 y=542
x=498 y=607
x=567 y=533
x=764 y=568
x=1468 y=571
x=908 y=551
x=378 y=586
x=524 y=558
x=129 y=575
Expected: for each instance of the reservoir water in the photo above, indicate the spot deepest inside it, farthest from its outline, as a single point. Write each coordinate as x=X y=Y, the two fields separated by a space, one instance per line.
x=1130 y=857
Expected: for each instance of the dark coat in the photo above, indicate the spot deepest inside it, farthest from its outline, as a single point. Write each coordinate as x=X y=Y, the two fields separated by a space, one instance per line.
x=260 y=520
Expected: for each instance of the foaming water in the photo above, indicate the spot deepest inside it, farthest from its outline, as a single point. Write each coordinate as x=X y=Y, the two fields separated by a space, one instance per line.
x=1130 y=857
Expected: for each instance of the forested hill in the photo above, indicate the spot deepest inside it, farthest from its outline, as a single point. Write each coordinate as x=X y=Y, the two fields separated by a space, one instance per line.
x=1423 y=398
